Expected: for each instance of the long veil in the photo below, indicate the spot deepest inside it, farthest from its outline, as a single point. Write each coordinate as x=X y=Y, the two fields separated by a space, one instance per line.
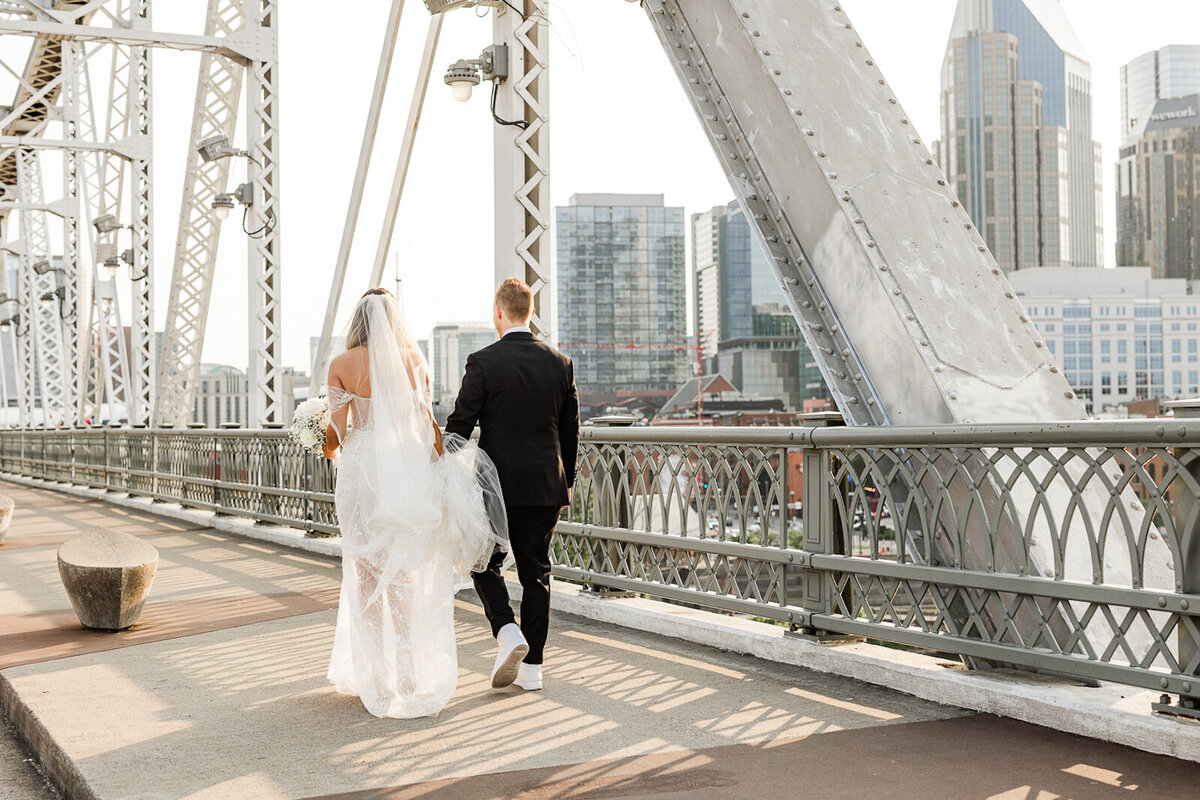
x=424 y=506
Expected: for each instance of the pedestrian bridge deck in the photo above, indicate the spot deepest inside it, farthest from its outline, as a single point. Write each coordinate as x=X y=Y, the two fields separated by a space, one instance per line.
x=220 y=692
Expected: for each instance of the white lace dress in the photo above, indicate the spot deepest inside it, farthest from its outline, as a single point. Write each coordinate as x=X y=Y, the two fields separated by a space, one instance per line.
x=394 y=646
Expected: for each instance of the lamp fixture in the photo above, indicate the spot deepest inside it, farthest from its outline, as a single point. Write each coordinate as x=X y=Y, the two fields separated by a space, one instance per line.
x=7 y=324
x=106 y=223
x=222 y=204
x=465 y=74
x=217 y=146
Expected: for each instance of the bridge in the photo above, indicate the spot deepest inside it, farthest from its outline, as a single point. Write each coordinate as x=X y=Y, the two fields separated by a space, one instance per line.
x=738 y=602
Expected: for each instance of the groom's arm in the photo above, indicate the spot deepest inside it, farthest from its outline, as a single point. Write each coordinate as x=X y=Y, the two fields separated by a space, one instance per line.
x=568 y=426
x=469 y=403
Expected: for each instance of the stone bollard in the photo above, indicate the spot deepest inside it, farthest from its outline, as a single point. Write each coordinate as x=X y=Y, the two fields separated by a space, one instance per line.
x=107 y=575
x=6 y=512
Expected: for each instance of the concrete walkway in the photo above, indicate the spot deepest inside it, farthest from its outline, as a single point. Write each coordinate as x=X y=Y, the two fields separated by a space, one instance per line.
x=220 y=693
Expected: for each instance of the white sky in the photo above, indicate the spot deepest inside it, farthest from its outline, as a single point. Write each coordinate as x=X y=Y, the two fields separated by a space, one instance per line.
x=619 y=123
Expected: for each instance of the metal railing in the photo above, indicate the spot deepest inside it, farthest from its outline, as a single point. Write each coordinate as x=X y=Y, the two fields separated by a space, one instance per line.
x=262 y=475
x=1067 y=547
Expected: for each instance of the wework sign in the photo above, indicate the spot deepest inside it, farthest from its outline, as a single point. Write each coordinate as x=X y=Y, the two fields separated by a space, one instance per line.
x=1183 y=113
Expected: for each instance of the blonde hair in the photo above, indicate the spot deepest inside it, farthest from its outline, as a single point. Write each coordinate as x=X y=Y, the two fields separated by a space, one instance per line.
x=515 y=298
x=356 y=336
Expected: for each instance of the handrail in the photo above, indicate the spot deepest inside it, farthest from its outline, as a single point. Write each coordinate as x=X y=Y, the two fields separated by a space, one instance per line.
x=1065 y=546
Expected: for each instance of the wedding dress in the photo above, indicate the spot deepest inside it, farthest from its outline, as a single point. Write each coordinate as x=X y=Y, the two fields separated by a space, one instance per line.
x=414 y=526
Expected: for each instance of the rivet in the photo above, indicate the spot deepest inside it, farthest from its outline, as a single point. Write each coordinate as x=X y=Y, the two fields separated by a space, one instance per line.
x=954 y=204
x=924 y=343
x=1024 y=318
x=848 y=26
x=766 y=52
x=1163 y=682
x=1183 y=604
x=903 y=121
x=820 y=154
x=910 y=317
x=939 y=368
x=809 y=132
x=967 y=226
x=870 y=63
x=882 y=82
x=1162 y=602
x=1069 y=395
x=982 y=248
x=892 y=100
x=1042 y=344
x=1187 y=687
x=788 y=92
x=1052 y=367
x=929 y=161
x=896 y=292
x=831 y=175
x=846 y=196
x=871 y=243
x=756 y=33
x=798 y=113
x=1008 y=295
x=995 y=270
x=777 y=72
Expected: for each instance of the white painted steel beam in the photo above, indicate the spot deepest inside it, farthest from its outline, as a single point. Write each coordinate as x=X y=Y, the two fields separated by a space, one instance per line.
x=387 y=51
x=522 y=157
x=215 y=112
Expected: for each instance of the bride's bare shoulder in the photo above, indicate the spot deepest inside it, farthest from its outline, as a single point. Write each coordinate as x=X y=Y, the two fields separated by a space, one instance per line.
x=350 y=362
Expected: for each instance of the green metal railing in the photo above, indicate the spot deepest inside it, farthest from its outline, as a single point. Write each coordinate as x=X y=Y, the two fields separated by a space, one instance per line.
x=1067 y=547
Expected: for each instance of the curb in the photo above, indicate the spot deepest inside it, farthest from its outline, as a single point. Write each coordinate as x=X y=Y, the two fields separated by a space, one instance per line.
x=51 y=760
x=1112 y=712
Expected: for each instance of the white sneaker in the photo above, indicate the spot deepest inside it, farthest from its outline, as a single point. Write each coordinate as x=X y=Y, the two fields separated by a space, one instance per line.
x=511 y=648
x=529 y=677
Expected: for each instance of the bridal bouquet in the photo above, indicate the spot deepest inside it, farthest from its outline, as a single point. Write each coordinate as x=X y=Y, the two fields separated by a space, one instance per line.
x=309 y=422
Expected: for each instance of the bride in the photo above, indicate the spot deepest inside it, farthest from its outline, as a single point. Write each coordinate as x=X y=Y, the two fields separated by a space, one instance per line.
x=417 y=515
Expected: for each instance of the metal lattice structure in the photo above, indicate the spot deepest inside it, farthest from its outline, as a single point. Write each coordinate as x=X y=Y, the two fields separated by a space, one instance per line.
x=217 y=98
x=522 y=158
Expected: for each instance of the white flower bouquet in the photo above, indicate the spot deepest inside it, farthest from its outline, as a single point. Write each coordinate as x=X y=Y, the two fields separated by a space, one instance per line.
x=309 y=422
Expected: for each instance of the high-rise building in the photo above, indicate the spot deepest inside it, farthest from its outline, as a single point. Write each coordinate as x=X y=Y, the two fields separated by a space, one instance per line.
x=1158 y=190
x=1119 y=334
x=1171 y=71
x=740 y=312
x=222 y=396
x=451 y=343
x=1017 y=141
x=622 y=286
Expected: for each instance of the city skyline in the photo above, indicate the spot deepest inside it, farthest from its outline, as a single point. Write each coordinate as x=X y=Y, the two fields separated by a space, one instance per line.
x=455 y=138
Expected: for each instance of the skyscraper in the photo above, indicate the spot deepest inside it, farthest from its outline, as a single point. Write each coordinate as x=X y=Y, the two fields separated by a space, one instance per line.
x=622 y=283
x=452 y=343
x=1158 y=173
x=1171 y=71
x=1017 y=132
x=1158 y=191
x=741 y=314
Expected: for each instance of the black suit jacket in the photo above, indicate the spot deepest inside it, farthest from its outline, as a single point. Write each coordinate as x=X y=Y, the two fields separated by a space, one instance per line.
x=521 y=393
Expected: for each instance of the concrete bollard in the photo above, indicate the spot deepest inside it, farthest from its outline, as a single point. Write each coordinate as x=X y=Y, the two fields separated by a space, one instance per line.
x=107 y=576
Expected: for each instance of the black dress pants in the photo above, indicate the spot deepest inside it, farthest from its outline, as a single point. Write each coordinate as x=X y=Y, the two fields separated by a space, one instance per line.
x=529 y=531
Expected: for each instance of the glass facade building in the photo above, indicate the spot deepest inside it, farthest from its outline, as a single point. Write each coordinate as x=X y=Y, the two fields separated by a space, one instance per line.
x=1119 y=334
x=1158 y=191
x=1017 y=141
x=622 y=292
x=451 y=344
x=741 y=314
x=1171 y=71
x=1158 y=171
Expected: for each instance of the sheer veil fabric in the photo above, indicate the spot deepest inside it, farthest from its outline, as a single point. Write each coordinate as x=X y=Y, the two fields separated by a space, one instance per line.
x=414 y=526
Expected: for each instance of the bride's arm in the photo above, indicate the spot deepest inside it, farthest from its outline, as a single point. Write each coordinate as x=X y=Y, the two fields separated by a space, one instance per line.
x=338 y=418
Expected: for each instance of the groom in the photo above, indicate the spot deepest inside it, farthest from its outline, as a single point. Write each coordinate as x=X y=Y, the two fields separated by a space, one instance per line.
x=521 y=392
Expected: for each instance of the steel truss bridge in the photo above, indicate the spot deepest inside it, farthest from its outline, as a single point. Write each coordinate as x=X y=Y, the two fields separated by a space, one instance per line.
x=1028 y=536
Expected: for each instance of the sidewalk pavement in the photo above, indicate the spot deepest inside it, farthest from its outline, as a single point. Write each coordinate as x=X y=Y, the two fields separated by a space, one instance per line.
x=220 y=692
